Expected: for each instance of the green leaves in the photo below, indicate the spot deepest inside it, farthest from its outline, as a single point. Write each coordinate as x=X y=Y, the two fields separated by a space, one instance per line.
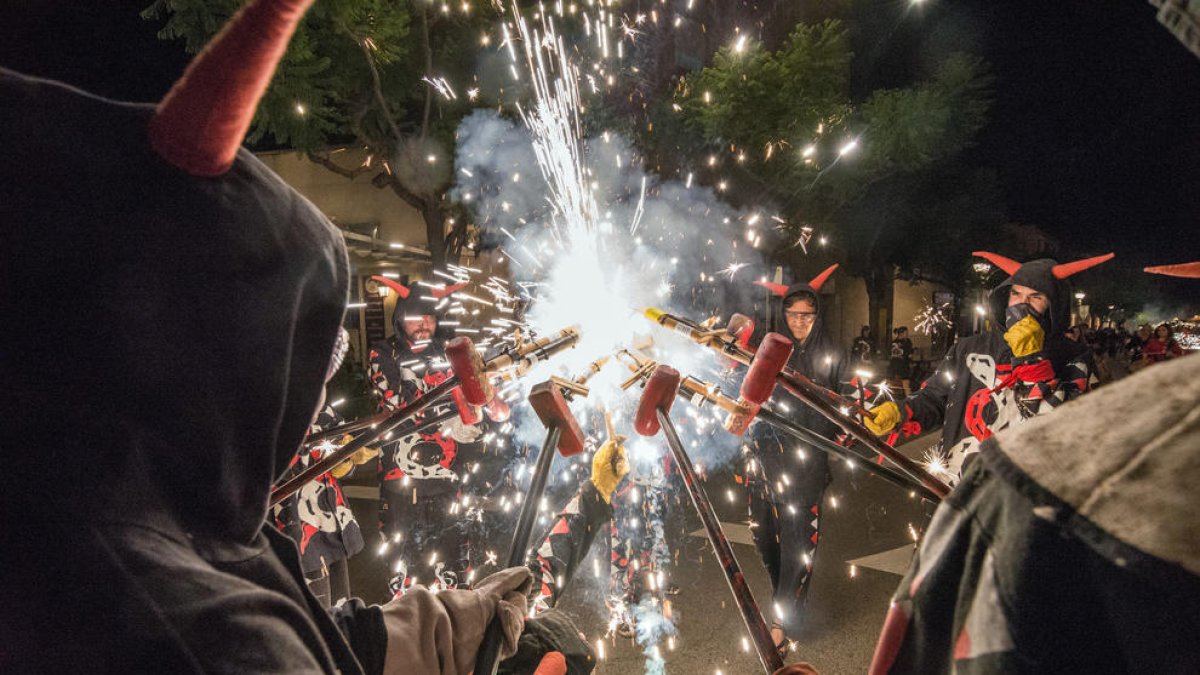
x=910 y=129
x=324 y=83
x=882 y=176
x=755 y=97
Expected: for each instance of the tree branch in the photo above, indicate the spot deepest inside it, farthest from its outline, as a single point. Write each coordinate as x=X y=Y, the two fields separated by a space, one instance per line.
x=377 y=87
x=327 y=162
x=428 y=72
x=386 y=179
x=458 y=236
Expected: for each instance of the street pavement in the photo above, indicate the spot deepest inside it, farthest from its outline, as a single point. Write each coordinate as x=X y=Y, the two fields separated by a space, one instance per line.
x=867 y=529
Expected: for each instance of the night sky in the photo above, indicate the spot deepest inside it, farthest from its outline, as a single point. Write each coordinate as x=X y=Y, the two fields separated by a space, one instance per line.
x=1095 y=129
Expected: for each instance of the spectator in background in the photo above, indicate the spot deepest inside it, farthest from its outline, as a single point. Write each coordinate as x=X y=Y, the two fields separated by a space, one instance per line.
x=1133 y=348
x=900 y=363
x=1112 y=353
x=1162 y=346
x=861 y=349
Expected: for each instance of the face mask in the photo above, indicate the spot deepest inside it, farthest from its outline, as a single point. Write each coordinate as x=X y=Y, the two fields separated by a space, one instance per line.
x=1015 y=313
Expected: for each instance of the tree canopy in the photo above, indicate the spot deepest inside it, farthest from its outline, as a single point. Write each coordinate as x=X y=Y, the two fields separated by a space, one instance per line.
x=361 y=73
x=878 y=176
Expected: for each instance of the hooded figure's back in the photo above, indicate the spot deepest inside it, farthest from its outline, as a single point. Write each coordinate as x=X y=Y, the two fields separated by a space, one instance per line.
x=167 y=353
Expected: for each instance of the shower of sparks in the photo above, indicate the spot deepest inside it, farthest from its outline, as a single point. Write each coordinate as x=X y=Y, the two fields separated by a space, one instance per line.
x=936 y=464
x=575 y=262
x=441 y=86
x=934 y=320
x=732 y=269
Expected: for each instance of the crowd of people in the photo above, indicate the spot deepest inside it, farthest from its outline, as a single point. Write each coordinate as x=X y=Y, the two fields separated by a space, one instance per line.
x=1119 y=352
x=1116 y=352
x=203 y=300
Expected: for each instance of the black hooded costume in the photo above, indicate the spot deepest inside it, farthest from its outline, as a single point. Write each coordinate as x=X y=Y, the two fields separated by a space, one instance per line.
x=1068 y=547
x=178 y=305
x=318 y=518
x=785 y=482
x=426 y=528
x=187 y=322
x=979 y=388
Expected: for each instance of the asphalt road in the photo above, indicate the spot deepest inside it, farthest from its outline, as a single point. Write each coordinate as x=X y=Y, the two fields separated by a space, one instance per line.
x=868 y=528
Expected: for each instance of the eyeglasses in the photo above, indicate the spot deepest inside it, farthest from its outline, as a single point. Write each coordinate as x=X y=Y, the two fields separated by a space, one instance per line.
x=806 y=317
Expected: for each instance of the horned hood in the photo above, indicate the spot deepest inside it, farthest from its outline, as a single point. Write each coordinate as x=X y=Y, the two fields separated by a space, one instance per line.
x=1045 y=275
x=818 y=344
x=176 y=314
x=411 y=302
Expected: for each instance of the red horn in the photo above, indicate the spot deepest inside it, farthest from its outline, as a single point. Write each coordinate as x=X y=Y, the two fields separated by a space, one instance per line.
x=1009 y=265
x=440 y=293
x=777 y=289
x=819 y=280
x=1190 y=270
x=202 y=121
x=1067 y=269
x=401 y=289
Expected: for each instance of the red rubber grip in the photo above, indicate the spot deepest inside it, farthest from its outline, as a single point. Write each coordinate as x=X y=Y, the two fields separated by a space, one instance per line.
x=468 y=413
x=741 y=327
x=737 y=423
x=497 y=410
x=468 y=366
x=551 y=408
x=769 y=360
x=659 y=393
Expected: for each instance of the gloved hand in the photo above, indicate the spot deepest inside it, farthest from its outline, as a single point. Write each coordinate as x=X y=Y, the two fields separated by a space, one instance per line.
x=609 y=466
x=1025 y=334
x=551 y=645
x=441 y=632
x=887 y=416
x=360 y=456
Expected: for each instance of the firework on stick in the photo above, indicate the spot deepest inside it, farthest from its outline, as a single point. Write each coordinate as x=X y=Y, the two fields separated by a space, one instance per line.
x=514 y=358
x=830 y=405
x=563 y=434
x=759 y=382
x=652 y=415
x=699 y=393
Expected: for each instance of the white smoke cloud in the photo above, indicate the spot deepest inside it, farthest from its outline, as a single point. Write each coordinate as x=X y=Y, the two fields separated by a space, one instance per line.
x=601 y=279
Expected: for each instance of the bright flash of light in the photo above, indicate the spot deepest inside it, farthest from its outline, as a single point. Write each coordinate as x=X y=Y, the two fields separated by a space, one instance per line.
x=732 y=269
x=935 y=463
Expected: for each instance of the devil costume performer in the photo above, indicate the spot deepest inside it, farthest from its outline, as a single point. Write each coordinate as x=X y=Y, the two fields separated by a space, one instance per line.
x=422 y=518
x=648 y=512
x=785 y=483
x=187 y=260
x=1068 y=546
x=319 y=520
x=982 y=386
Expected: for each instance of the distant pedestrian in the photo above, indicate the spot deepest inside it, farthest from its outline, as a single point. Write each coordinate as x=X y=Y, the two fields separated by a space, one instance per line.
x=861 y=350
x=1162 y=346
x=900 y=363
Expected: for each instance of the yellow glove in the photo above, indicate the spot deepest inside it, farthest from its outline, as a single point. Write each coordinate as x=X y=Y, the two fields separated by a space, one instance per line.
x=1025 y=337
x=609 y=466
x=360 y=456
x=887 y=416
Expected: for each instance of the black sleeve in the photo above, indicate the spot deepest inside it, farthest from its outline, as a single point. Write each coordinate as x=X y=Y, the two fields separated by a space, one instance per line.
x=362 y=626
x=927 y=407
x=567 y=544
